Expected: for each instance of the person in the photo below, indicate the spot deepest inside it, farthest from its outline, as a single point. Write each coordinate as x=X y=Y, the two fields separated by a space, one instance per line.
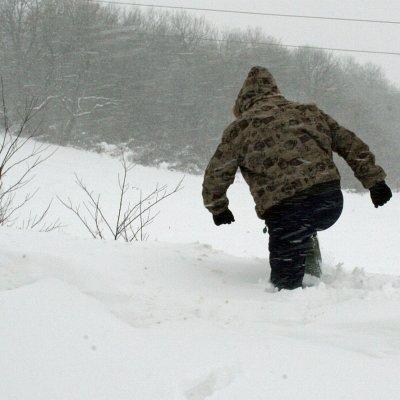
x=284 y=152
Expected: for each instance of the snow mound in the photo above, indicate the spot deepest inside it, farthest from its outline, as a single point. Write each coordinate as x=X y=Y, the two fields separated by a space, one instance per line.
x=84 y=319
x=58 y=343
x=364 y=237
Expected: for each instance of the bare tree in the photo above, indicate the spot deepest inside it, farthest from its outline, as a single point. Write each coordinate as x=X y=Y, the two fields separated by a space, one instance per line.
x=19 y=22
x=38 y=221
x=79 y=105
x=319 y=74
x=131 y=218
x=190 y=31
x=17 y=160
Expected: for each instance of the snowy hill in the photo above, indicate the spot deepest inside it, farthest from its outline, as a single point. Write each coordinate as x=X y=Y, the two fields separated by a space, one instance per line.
x=190 y=314
x=364 y=237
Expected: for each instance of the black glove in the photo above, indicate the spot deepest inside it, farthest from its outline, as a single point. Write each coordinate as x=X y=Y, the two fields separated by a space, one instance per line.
x=226 y=217
x=380 y=194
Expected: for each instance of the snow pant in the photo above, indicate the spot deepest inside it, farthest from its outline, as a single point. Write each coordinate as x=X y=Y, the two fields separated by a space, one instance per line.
x=292 y=223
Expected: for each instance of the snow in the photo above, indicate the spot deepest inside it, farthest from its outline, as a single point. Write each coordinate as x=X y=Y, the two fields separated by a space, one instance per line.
x=364 y=237
x=189 y=314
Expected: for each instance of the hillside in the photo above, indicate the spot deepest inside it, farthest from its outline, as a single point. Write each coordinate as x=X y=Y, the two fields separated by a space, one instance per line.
x=163 y=83
x=189 y=314
x=364 y=237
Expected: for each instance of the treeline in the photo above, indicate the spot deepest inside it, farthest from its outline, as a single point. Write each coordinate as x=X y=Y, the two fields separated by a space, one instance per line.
x=163 y=84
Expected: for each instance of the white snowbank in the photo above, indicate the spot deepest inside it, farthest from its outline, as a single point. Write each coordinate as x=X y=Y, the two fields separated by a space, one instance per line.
x=177 y=319
x=364 y=237
x=84 y=319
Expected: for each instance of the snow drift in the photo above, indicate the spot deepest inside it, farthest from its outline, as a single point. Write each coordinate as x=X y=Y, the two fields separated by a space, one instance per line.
x=85 y=319
x=190 y=314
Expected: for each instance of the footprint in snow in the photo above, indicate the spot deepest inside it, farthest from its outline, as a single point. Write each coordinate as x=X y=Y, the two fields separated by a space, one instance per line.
x=214 y=381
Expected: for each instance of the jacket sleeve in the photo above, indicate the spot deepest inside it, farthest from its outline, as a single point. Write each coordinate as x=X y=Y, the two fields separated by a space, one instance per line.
x=356 y=153
x=219 y=175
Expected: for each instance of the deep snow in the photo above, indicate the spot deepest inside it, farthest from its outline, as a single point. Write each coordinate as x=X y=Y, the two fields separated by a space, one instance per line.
x=191 y=315
x=364 y=237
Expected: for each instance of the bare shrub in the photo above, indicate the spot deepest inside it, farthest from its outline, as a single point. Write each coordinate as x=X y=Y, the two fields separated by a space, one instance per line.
x=17 y=160
x=131 y=218
x=39 y=221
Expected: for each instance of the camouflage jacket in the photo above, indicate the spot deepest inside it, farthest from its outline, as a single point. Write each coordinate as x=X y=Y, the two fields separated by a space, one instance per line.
x=281 y=148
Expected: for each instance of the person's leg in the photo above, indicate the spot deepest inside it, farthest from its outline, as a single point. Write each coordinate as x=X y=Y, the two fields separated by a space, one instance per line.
x=287 y=260
x=291 y=228
x=289 y=242
x=313 y=260
x=326 y=209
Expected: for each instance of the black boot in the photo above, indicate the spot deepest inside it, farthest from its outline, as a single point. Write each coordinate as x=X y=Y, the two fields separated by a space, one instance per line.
x=314 y=259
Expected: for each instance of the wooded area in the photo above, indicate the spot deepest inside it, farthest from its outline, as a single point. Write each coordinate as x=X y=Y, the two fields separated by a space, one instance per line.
x=163 y=84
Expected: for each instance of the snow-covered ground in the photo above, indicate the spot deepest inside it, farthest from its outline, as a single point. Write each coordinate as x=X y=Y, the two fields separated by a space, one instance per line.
x=364 y=237
x=189 y=314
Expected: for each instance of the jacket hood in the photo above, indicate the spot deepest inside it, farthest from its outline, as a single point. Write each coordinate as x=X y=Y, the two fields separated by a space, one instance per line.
x=259 y=85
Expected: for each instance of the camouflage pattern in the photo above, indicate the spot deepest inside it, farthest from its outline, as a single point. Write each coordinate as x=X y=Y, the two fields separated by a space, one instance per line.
x=281 y=147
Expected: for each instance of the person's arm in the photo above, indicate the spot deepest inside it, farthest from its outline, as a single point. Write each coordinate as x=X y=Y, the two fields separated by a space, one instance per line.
x=219 y=175
x=356 y=153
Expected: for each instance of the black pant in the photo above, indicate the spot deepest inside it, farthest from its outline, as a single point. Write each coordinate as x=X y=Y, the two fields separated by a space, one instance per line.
x=291 y=225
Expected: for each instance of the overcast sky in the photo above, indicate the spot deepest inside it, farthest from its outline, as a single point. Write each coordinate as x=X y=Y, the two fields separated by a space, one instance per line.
x=315 y=32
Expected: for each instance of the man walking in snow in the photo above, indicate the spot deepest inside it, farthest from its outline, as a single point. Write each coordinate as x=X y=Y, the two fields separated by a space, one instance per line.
x=284 y=151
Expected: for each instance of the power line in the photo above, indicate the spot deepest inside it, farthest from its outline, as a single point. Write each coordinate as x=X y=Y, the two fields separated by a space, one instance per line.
x=393 y=53
x=216 y=10
x=337 y=49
